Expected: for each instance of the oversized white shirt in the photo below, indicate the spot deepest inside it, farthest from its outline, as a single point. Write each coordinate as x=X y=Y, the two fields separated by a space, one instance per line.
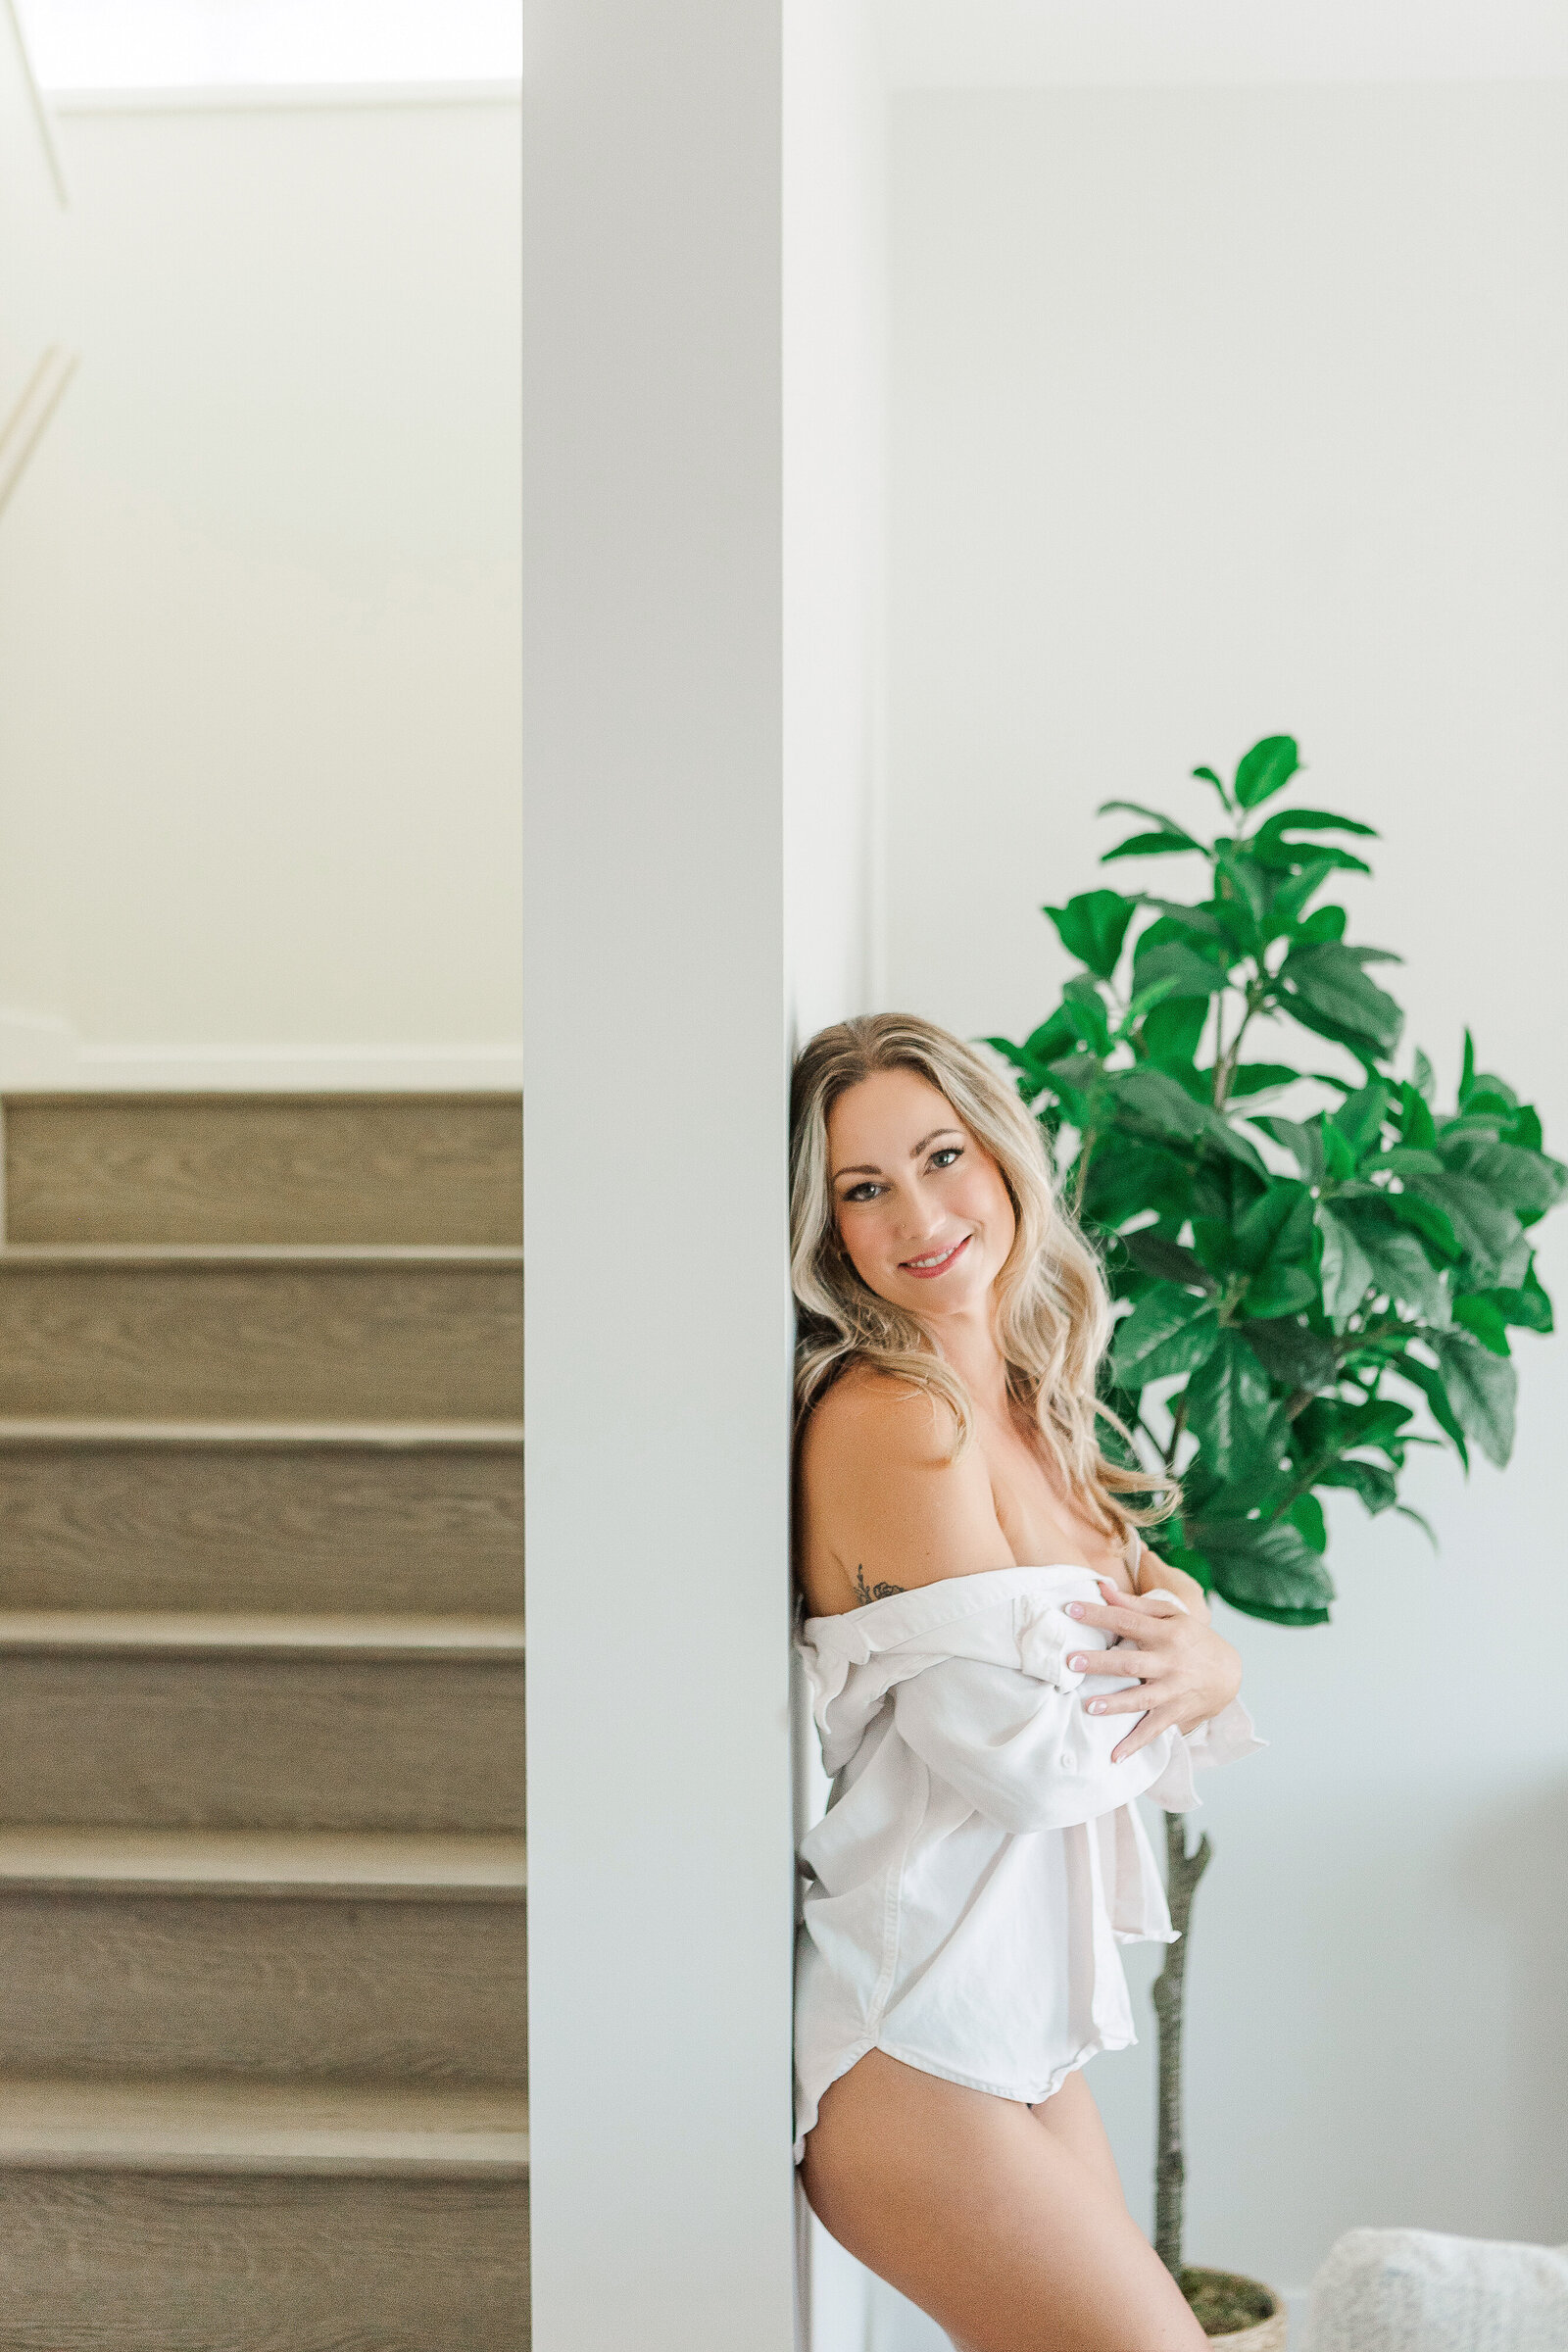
x=981 y=1857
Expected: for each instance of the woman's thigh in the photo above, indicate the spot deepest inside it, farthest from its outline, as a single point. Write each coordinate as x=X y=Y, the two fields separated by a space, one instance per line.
x=1071 y=2116
x=997 y=2228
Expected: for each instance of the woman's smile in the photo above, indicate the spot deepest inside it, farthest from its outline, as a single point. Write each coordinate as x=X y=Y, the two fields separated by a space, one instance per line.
x=926 y=1269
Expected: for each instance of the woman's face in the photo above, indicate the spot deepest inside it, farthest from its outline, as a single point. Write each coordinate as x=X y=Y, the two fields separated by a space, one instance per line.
x=924 y=1216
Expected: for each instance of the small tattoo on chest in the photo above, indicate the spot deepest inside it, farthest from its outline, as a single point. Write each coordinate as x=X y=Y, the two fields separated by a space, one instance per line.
x=864 y=1591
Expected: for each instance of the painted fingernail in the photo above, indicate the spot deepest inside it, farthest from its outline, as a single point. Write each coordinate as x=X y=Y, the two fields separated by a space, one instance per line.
x=1077 y=1664
x=1075 y=1608
x=1097 y=1707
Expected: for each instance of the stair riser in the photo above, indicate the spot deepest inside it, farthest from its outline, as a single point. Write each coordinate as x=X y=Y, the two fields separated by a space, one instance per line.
x=262 y=1743
x=193 y=1168
x=104 y=2261
x=268 y=1987
x=223 y=1527
x=173 y=1343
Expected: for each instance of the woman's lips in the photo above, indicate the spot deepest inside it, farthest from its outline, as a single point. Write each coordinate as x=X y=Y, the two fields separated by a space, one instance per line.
x=926 y=1269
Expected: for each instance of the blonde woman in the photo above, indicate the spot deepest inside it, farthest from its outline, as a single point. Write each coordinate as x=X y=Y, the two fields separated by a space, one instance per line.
x=967 y=1552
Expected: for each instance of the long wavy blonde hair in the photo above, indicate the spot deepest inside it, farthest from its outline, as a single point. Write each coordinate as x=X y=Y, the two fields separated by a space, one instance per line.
x=1052 y=1311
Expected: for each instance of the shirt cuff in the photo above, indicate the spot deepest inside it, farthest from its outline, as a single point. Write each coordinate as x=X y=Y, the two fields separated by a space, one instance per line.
x=1223 y=1740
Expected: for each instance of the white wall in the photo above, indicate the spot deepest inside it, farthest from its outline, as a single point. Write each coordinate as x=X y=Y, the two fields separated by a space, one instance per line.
x=260 y=735
x=659 y=1337
x=1215 y=412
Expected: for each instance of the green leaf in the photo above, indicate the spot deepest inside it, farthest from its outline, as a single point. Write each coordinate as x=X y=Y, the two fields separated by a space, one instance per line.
x=1155 y=816
x=1404 y=1511
x=1482 y=1389
x=1173 y=1032
x=1291 y=1353
x=1245 y=878
x=1188 y=973
x=1091 y=927
x=1478 y=1314
x=1229 y=1407
x=1291 y=895
x=1305 y=1144
x=1257 y=1077
x=1424 y=1217
x=1265 y=1569
x=1401 y=1160
x=1359 y=1119
x=1206 y=775
x=1486 y=1233
x=1329 y=982
x=1528 y=1307
x=1417 y=1127
x=1346 y=1271
x=1377 y=1487
x=1166 y=1259
x=1467 y=1069
x=1152 y=845
x=1402 y=1268
x=1267 y=770
x=1327 y=922
x=1338 y=1156
x=1278 y=1227
x=1526 y=1182
x=1311 y=820
x=1305 y=1515
x=1281 y=1291
x=1169 y=1332
x=1429 y=1383
x=1425 y=1077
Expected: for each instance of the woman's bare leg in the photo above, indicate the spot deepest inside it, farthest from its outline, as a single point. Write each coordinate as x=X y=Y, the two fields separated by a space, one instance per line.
x=998 y=2227
x=1071 y=2115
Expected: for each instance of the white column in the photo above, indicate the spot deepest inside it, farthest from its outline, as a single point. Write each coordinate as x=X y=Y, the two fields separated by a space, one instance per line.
x=659 y=1776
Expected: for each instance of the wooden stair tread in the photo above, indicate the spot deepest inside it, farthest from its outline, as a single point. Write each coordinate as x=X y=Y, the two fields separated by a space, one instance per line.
x=278 y=2127
x=87 y=1254
x=181 y=1632
x=361 y=1865
x=391 y=1435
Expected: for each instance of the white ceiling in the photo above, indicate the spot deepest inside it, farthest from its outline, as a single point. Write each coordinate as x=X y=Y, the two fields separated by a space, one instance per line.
x=175 y=44
x=947 y=44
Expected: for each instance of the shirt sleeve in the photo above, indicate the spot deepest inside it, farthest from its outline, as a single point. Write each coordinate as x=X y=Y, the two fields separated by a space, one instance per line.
x=1024 y=1753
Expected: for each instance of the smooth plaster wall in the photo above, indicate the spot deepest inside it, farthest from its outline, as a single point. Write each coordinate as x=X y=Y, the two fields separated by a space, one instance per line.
x=259 y=732
x=1217 y=413
x=659 y=1322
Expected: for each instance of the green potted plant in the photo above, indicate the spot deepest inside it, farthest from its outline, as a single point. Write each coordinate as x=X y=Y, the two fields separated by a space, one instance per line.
x=1317 y=1270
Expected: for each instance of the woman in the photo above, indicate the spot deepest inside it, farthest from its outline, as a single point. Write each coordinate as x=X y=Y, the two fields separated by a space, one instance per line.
x=964 y=1550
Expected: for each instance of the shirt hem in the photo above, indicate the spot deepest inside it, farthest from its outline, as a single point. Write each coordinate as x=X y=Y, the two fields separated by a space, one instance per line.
x=1019 y=2095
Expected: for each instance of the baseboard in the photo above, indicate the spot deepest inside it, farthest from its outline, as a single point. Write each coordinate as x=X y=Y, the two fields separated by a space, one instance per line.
x=41 y=1054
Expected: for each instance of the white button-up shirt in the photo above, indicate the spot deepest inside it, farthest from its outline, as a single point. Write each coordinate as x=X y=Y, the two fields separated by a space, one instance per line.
x=981 y=1857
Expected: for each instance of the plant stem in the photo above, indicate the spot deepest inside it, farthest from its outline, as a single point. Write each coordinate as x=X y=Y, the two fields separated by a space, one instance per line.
x=1229 y=1055
x=1183 y=1870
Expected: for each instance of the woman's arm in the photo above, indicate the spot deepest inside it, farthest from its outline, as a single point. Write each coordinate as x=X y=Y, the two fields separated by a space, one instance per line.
x=884 y=1507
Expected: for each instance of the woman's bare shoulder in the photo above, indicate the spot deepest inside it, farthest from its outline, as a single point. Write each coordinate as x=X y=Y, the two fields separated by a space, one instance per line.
x=885 y=1503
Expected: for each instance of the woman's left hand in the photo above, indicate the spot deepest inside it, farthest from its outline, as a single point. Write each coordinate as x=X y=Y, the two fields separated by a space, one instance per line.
x=1185 y=1672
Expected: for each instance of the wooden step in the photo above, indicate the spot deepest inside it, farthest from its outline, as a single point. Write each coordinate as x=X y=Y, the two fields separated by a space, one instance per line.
x=308 y=2129
x=162 y=2261
x=267 y=1956
x=343 y=1723
x=297 y=1334
x=92 y=1167
x=329 y=1516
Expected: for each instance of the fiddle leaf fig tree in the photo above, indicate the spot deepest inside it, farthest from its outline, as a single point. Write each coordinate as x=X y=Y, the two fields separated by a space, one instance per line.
x=1317 y=1268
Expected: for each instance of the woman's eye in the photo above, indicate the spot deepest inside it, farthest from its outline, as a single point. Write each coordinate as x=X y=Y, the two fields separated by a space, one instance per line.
x=947 y=1155
x=862 y=1191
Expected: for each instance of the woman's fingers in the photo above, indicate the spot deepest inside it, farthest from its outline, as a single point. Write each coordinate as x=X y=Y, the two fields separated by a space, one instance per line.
x=1157 y=1720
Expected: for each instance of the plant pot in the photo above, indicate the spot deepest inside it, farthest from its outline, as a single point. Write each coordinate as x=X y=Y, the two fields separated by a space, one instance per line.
x=1263 y=2332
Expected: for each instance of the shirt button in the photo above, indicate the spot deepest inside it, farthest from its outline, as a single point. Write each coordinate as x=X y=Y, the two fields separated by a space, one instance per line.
x=1068 y=1763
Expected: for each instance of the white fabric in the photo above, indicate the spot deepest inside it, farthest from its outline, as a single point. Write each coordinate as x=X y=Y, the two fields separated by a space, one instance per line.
x=981 y=1857
x=1413 y=2290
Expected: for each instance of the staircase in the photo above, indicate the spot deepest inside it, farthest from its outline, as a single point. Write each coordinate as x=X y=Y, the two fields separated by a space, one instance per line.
x=263 y=2035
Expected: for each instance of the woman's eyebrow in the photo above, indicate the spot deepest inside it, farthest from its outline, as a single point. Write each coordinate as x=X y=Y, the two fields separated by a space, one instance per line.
x=915 y=1151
